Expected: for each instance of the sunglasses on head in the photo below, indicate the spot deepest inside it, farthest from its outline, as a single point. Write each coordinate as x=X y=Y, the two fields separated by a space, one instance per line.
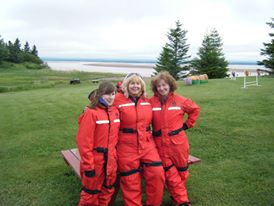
x=132 y=74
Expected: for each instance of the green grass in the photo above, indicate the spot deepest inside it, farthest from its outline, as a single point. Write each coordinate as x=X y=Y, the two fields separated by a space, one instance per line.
x=18 y=77
x=234 y=137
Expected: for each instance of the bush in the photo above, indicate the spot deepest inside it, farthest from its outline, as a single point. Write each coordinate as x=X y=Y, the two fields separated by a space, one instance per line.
x=31 y=65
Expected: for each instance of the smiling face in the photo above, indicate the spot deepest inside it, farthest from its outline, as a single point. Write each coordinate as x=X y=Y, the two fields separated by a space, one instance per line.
x=163 y=88
x=109 y=98
x=135 y=88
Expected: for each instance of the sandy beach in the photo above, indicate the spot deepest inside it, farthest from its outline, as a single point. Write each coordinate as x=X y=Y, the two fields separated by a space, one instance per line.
x=122 y=65
x=145 y=69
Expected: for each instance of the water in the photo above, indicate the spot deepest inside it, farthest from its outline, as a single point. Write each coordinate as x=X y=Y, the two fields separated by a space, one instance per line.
x=239 y=69
x=145 y=69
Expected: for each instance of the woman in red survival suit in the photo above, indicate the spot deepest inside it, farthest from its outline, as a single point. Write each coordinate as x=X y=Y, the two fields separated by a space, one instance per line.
x=169 y=133
x=96 y=140
x=136 y=149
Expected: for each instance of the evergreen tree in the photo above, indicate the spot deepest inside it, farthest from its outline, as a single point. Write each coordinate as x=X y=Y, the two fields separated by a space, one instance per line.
x=164 y=61
x=268 y=50
x=211 y=60
x=26 y=48
x=3 y=50
x=27 y=56
x=34 y=51
x=173 y=57
x=17 y=45
x=12 y=56
x=15 y=52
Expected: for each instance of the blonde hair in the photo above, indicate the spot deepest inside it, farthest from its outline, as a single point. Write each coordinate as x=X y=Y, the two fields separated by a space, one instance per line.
x=164 y=75
x=133 y=77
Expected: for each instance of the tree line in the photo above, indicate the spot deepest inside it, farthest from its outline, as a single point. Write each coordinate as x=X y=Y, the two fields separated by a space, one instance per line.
x=15 y=53
x=210 y=59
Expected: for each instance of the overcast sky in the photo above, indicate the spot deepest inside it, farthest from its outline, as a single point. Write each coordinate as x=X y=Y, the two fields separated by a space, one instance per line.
x=134 y=29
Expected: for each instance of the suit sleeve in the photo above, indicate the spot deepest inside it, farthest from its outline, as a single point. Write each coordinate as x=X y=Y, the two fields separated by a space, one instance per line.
x=85 y=142
x=193 y=111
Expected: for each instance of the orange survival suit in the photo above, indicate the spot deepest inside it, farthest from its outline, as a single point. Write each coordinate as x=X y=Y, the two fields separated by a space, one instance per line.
x=96 y=139
x=171 y=140
x=136 y=150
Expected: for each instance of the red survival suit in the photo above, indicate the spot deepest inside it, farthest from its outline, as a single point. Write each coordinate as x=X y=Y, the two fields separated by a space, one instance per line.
x=136 y=149
x=171 y=140
x=96 y=139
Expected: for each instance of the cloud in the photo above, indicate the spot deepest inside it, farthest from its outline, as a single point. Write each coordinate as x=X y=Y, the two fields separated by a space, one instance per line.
x=122 y=28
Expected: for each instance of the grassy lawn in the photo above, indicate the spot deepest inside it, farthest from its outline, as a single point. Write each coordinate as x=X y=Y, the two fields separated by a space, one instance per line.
x=234 y=137
x=16 y=77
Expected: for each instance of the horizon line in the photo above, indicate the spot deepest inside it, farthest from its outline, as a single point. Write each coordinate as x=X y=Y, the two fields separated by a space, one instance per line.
x=127 y=60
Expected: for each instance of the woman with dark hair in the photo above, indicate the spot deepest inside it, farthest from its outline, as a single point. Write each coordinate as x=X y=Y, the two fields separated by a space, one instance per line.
x=169 y=133
x=96 y=140
x=136 y=149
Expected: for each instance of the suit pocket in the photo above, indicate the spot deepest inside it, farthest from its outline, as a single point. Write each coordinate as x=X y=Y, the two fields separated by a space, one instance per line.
x=177 y=139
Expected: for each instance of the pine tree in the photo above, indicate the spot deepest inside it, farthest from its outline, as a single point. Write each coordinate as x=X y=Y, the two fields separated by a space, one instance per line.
x=173 y=57
x=164 y=61
x=211 y=60
x=26 y=48
x=3 y=50
x=27 y=56
x=17 y=45
x=268 y=50
x=34 y=51
x=12 y=56
x=15 y=52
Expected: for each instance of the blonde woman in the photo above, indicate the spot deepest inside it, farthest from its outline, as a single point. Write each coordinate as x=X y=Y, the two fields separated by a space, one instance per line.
x=136 y=149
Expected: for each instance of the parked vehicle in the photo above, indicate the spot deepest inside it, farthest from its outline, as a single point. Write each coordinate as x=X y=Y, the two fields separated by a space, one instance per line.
x=75 y=81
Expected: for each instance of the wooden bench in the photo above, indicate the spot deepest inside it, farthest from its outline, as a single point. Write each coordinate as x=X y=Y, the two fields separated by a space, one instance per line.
x=72 y=158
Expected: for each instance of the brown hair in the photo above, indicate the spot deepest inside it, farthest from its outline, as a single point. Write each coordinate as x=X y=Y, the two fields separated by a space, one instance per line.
x=164 y=75
x=105 y=87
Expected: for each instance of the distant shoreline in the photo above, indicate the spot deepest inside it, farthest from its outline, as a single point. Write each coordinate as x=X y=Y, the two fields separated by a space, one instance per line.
x=112 y=64
x=149 y=66
x=145 y=69
x=133 y=61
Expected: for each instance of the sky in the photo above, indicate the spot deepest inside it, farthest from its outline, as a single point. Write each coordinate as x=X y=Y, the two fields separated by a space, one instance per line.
x=135 y=29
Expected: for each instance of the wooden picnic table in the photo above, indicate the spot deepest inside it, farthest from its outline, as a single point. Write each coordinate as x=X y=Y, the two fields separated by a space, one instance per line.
x=72 y=158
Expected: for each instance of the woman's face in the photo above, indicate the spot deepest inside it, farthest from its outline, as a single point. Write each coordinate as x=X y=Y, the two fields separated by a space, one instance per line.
x=109 y=98
x=163 y=88
x=134 y=88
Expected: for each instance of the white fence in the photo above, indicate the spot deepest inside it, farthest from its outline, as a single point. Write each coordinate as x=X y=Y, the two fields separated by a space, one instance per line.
x=250 y=83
